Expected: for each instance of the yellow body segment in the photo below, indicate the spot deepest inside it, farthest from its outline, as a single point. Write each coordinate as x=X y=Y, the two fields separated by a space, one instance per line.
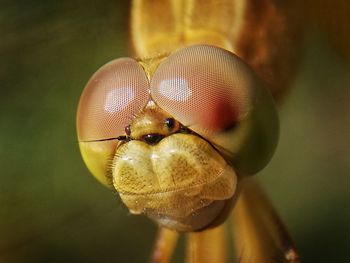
x=164 y=26
x=262 y=33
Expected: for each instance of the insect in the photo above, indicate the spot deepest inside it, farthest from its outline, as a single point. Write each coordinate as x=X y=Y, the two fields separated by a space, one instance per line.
x=179 y=131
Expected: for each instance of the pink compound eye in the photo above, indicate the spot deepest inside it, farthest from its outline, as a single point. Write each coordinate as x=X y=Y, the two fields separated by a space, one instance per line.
x=113 y=95
x=204 y=87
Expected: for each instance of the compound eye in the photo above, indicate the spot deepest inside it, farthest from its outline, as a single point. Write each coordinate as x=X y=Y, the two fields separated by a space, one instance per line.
x=214 y=93
x=113 y=95
x=205 y=88
x=111 y=98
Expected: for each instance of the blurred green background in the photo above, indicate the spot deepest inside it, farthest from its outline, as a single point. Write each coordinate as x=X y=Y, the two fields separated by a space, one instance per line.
x=53 y=210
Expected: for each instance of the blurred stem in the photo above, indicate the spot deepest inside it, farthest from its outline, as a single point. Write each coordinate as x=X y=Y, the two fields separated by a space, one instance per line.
x=164 y=246
x=259 y=234
x=207 y=246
